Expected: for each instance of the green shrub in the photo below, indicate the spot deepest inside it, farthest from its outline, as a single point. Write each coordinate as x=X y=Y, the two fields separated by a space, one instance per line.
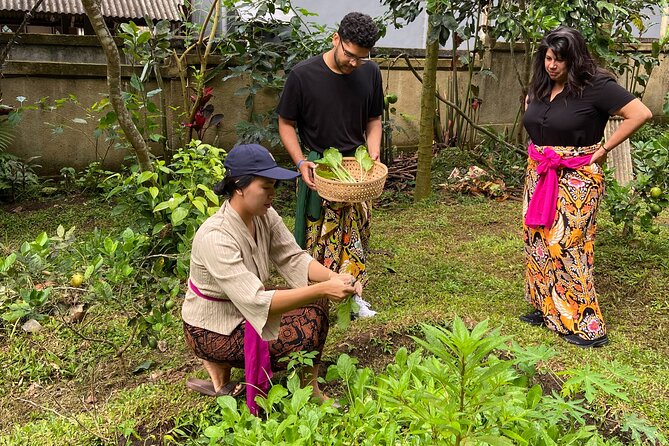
x=464 y=387
x=173 y=200
x=17 y=177
x=638 y=203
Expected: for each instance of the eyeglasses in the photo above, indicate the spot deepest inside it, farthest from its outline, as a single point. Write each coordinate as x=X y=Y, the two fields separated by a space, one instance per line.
x=352 y=57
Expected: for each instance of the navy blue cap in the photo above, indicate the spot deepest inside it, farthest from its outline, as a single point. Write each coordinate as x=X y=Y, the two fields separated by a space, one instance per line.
x=254 y=159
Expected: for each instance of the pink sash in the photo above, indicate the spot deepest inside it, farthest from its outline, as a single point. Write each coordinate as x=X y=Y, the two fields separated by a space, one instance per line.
x=543 y=203
x=257 y=365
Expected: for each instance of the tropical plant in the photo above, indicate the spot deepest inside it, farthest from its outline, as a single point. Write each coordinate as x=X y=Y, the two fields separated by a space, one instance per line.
x=462 y=387
x=6 y=131
x=172 y=200
x=150 y=49
x=647 y=195
x=17 y=176
x=267 y=38
x=204 y=115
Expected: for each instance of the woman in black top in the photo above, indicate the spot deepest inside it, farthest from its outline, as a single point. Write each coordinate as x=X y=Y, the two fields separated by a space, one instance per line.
x=569 y=103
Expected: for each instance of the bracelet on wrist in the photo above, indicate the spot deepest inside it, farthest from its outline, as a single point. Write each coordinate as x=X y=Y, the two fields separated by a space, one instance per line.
x=605 y=149
x=299 y=163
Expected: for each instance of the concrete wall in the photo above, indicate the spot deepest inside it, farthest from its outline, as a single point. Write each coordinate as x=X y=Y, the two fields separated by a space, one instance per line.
x=56 y=66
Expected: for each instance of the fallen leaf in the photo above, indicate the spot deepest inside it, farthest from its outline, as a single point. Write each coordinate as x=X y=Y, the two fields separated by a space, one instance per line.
x=162 y=345
x=91 y=399
x=143 y=367
x=76 y=313
x=32 y=326
x=43 y=285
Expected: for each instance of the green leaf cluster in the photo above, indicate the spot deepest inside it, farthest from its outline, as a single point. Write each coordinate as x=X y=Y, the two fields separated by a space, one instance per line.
x=638 y=203
x=462 y=387
x=330 y=165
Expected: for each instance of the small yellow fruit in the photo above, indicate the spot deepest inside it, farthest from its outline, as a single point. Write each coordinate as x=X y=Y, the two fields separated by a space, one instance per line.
x=169 y=304
x=655 y=192
x=76 y=280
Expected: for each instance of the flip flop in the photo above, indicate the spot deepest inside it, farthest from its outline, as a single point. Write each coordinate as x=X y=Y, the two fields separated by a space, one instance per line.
x=232 y=388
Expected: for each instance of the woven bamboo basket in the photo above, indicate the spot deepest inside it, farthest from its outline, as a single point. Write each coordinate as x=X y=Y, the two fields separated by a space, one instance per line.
x=366 y=190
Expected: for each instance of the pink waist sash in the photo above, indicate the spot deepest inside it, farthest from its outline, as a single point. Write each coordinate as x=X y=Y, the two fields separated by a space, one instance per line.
x=257 y=364
x=543 y=203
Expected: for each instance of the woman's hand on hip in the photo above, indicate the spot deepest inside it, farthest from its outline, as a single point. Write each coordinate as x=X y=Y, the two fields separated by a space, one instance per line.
x=599 y=156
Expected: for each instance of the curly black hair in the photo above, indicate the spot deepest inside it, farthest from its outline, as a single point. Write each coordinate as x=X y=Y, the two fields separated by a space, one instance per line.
x=568 y=45
x=358 y=28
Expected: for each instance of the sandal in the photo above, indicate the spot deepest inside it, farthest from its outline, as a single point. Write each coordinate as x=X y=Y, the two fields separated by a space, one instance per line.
x=535 y=318
x=205 y=387
x=586 y=343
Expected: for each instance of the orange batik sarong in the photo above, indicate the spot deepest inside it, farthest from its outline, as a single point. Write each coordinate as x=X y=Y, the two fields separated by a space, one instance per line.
x=339 y=238
x=559 y=259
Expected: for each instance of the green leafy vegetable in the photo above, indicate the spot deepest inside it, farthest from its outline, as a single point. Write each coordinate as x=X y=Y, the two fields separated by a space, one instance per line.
x=366 y=162
x=332 y=159
x=331 y=167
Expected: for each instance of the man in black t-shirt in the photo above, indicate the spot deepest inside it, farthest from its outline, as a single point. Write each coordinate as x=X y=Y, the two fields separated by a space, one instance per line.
x=335 y=100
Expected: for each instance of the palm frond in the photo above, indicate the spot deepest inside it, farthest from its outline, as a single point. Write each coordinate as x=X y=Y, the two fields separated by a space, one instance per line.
x=6 y=134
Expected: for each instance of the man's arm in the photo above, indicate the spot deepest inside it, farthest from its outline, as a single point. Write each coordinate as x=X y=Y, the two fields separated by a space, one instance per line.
x=373 y=133
x=288 y=136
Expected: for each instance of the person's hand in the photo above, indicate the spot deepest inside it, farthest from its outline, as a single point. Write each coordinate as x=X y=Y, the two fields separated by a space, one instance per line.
x=348 y=278
x=358 y=288
x=375 y=155
x=338 y=287
x=307 y=171
x=599 y=156
x=344 y=277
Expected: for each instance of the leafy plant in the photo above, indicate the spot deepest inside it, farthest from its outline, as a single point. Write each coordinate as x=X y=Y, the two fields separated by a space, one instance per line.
x=644 y=198
x=366 y=162
x=17 y=176
x=29 y=306
x=204 y=115
x=174 y=199
x=331 y=165
x=6 y=129
x=463 y=387
x=267 y=42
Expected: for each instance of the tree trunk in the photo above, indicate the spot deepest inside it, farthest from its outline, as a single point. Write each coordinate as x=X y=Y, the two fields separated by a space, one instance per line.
x=427 y=106
x=92 y=8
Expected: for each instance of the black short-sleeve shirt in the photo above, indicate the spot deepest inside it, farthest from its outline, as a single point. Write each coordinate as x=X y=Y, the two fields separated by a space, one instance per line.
x=331 y=109
x=575 y=121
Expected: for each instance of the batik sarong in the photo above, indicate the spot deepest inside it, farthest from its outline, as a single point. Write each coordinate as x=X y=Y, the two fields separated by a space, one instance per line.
x=339 y=238
x=336 y=234
x=560 y=258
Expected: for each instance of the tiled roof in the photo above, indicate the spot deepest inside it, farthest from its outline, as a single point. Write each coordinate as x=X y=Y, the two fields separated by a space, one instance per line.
x=130 y=9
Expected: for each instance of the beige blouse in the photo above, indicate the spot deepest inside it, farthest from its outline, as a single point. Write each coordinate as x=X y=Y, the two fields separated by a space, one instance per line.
x=226 y=263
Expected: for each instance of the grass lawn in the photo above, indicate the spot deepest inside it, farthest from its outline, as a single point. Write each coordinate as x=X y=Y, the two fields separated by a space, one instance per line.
x=428 y=262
